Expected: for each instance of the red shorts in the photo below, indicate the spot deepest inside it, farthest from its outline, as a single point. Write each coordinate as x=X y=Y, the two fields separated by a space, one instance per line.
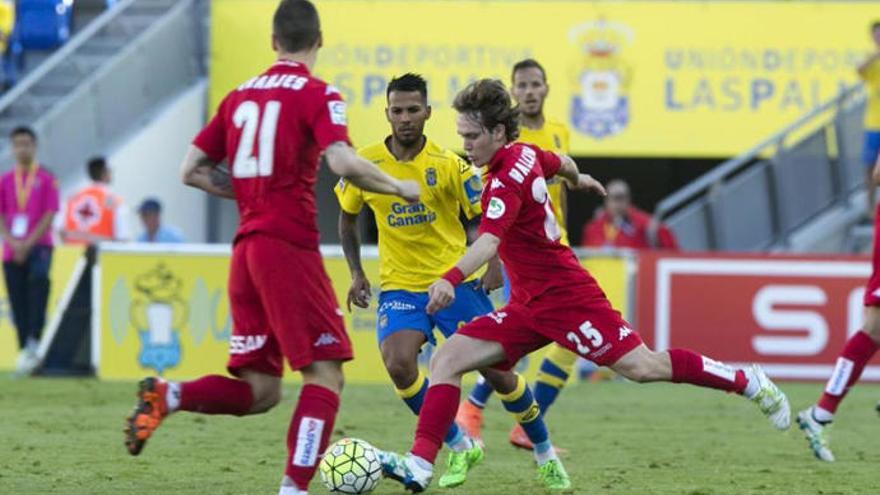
x=282 y=304
x=584 y=323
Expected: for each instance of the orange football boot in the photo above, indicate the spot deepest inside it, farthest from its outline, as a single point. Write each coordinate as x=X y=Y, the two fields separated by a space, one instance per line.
x=149 y=412
x=470 y=417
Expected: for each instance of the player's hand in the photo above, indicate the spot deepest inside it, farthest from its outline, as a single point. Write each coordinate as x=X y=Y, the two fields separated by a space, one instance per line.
x=359 y=293
x=587 y=183
x=493 y=278
x=440 y=295
x=408 y=190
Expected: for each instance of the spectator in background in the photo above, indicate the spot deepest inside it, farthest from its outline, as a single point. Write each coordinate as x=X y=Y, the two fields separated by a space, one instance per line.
x=621 y=225
x=151 y=216
x=28 y=204
x=94 y=214
x=869 y=71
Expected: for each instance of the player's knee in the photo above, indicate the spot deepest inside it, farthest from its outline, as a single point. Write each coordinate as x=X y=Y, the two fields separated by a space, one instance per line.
x=266 y=397
x=403 y=372
x=444 y=365
x=265 y=391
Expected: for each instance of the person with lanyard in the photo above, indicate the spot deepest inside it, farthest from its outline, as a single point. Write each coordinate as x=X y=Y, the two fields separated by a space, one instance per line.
x=29 y=201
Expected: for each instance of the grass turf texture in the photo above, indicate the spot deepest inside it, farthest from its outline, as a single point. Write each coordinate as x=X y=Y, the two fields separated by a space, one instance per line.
x=64 y=436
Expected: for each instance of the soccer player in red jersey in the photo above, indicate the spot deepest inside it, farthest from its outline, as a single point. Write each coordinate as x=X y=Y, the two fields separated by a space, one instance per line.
x=858 y=350
x=552 y=299
x=272 y=129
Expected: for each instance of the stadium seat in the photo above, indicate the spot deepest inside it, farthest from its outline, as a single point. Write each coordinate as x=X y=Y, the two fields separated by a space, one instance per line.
x=44 y=24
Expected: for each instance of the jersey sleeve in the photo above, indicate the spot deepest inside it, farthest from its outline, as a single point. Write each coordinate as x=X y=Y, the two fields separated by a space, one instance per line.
x=468 y=187
x=550 y=162
x=502 y=207
x=212 y=139
x=351 y=198
x=330 y=123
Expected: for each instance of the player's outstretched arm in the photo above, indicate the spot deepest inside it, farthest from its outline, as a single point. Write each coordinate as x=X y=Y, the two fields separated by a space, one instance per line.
x=576 y=180
x=344 y=162
x=359 y=293
x=442 y=292
x=201 y=172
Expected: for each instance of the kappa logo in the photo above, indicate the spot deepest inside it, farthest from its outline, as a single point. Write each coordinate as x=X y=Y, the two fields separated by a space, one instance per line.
x=326 y=338
x=496 y=184
x=624 y=333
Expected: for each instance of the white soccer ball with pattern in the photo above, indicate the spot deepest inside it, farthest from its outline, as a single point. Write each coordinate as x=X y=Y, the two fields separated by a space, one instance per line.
x=350 y=466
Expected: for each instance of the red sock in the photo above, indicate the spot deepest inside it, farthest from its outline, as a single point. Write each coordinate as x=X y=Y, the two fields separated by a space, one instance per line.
x=438 y=414
x=696 y=369
x=309 y=432
x=856 y=353
x=215 y=394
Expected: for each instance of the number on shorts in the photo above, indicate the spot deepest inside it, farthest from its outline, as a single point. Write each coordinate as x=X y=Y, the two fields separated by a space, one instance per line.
x=247 y=118
x=593 y=337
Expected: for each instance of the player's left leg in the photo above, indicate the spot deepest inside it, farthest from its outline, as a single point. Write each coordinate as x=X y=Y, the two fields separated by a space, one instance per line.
x=304 y=314
x=859 y=349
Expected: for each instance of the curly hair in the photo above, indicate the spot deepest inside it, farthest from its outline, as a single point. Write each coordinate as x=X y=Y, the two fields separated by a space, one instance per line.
x=488 y=101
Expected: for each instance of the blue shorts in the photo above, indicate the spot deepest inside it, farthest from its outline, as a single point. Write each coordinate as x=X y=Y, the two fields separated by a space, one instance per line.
x=405 y=310
x=870 y=148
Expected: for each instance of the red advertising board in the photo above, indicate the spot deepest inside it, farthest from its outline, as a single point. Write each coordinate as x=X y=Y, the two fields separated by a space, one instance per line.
x=790 y=314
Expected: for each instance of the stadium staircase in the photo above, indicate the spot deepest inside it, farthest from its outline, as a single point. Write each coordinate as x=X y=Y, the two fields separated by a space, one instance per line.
x=102 y=84
x=800 y=190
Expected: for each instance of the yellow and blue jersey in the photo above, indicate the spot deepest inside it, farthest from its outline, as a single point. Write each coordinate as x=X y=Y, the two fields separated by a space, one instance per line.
x=418 y=242
x=553 y=136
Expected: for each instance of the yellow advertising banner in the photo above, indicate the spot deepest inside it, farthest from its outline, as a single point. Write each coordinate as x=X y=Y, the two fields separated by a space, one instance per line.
x=636 y=78
x=168 y=313
x=64 y=260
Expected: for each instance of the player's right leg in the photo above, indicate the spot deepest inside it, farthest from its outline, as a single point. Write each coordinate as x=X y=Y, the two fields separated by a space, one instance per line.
x=255 y=360
x=459 y=355
x=858 y=350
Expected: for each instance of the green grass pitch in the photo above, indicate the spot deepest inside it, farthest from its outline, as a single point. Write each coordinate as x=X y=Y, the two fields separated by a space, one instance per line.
x=63 y=436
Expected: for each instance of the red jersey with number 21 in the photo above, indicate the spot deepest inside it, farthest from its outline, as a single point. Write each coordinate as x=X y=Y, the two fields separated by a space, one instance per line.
x=516 y=209
x=272 y=129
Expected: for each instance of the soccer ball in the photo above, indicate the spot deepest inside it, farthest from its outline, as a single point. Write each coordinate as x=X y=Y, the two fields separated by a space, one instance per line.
x=350 y=466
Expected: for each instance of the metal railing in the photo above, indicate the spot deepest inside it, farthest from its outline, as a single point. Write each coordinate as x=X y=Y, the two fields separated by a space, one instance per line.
x=756 y=200
x=113 y=99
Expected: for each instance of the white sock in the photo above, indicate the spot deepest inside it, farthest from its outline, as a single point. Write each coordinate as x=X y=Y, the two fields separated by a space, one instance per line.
x=822 y=415
x=753 y=387
x=172 y=396
x=291 y=490
x=544 y=457
x=32 y=345
x=422 y=463
x=288 y=487
x=462 y=444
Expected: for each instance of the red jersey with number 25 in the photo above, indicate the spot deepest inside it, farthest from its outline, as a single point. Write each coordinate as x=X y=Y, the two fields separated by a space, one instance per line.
x=517 y=210
x=272 y=129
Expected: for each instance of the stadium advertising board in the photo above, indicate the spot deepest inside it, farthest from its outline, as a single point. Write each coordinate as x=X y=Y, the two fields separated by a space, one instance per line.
x=790 y=314
x=164 y=310
x=640 y=78
x=64 y=260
